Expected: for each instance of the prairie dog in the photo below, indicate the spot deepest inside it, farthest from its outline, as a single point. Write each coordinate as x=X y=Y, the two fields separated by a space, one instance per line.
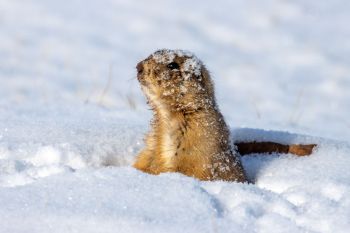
x=188 y=133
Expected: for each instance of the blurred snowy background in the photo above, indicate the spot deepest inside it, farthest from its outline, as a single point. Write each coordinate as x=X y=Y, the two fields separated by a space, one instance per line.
x=70 y=104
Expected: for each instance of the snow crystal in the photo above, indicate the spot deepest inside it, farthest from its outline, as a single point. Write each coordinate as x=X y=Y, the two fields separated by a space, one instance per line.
x=193 y=66
x=164 y=56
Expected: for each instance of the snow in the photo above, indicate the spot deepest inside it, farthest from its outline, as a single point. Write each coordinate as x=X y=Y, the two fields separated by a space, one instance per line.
x=192 y=64
x=72 y=115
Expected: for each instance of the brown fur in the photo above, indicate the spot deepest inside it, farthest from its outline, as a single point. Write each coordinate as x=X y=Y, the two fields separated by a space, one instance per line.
x=189 y=134
x=245 y=148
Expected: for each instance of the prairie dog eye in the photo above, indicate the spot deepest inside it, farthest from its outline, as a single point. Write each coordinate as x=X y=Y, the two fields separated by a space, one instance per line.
x=173 y=66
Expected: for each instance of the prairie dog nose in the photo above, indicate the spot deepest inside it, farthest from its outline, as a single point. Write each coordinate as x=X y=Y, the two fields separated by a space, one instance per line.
x=139 y=67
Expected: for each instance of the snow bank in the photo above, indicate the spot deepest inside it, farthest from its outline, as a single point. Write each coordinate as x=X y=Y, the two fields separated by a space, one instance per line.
x=108 y=200
x=308 y=194
x=60 y=140
x=69 y=188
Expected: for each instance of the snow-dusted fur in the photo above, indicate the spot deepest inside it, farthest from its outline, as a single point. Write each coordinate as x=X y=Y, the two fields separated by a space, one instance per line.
x=189 y=134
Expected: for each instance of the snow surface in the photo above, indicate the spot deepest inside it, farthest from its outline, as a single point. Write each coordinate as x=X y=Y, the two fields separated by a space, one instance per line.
x=72 y=115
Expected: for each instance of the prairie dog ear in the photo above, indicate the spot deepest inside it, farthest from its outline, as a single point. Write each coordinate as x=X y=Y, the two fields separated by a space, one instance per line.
x=206 y=80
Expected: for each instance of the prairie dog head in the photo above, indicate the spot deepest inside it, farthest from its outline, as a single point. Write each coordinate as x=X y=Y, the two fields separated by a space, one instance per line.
x=176 y=80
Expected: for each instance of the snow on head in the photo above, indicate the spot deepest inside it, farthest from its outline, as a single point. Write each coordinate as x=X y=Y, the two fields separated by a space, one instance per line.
x=191 y=66
x=164 y=56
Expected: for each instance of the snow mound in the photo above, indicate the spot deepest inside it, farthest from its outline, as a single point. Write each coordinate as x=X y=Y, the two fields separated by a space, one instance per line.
x=34 y=145
x=71 y=189
x=299 y=199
